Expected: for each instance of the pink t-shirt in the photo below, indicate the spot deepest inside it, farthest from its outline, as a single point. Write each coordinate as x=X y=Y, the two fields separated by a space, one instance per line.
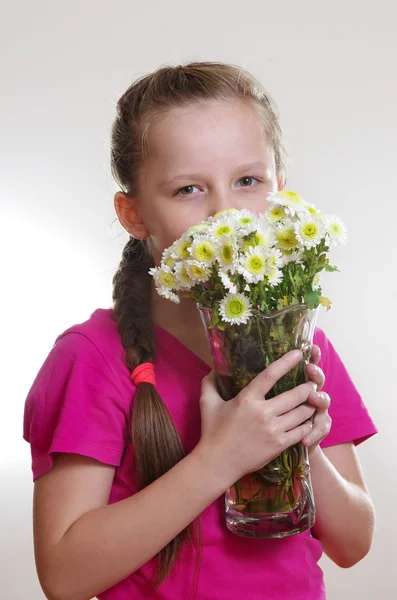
x=80 y=402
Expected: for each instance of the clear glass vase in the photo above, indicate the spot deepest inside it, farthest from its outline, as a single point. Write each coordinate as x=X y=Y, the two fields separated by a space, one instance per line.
x=277 y=500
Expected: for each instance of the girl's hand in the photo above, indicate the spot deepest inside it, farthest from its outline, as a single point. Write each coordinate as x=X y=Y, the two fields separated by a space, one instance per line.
x=320 y=400
x=244 y=434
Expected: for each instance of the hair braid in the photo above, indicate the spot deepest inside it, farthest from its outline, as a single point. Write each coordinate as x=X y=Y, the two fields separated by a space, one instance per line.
x=157 y=445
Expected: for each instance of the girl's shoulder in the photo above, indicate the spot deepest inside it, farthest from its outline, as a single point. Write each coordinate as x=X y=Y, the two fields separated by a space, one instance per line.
x=100 y=328
x=79 y=401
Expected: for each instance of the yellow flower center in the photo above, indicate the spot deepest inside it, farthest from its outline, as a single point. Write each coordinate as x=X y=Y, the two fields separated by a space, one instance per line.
x=183 y=251
x=168 y=279
x=204 y=252
x=245 y=220
x=277 y=213
x=235 y=308
x=223 y=230
x=197 y=271
x=287 y=238
x=256 y=264
x=170 y=262
x=310 y=230
x=185 y=275
x=227 y=253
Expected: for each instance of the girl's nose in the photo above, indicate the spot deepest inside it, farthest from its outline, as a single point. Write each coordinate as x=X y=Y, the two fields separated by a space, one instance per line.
x=220 y=201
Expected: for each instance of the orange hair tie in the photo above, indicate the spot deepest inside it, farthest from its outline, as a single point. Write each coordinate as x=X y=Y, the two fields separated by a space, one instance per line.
x=144 y=373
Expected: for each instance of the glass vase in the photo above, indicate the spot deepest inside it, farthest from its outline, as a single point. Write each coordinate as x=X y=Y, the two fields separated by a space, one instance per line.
x=277 y=500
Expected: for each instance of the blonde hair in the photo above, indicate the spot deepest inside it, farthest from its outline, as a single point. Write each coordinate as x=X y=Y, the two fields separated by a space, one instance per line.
x=157 y=445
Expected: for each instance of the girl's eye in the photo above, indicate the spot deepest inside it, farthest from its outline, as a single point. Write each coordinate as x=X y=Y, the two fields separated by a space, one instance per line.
x=247 y=181
x=187 y=190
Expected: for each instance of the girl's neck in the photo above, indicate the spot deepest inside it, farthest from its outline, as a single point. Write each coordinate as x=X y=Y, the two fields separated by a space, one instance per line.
x=183 y=321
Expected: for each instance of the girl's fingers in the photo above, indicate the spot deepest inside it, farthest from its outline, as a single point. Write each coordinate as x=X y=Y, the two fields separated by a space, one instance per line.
x=315 y=354
x=296 y=417
x=321 y=428
x=316 y=375
x=320 y=400
x=291 y=399
x=265 y=380
x=209 y=390
x=296 y=435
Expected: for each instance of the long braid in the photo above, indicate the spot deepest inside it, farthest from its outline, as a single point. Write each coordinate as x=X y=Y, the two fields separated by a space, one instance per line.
x=157 y=445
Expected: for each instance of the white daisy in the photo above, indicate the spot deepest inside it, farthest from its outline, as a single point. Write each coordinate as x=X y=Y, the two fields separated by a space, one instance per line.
x=180 y=249
x=221 y=213
x=245 y=218
x=335 y=229
x=263 y=236
x=316 y=283
x=253 y=264
x=292 y=202
x=286 y=236
x=164 y=278
x=167 y=259
x=274 y=276
x=197 y=271
x=224 y=226
x=313 y=210
x=168 y=294
x=201 y=228
x=274 y=258
x=235 y=309
x=227 y=253
x=310 y=231
x=203 y=249
x=276 y=213
x=295 y=257
x=183 y=277
x=227 y=282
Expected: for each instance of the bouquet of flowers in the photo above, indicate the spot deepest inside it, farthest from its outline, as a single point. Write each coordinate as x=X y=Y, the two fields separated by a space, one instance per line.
x=256 y=280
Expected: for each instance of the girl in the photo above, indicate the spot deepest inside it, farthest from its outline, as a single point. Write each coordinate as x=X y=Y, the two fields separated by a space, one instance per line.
x=130 y=467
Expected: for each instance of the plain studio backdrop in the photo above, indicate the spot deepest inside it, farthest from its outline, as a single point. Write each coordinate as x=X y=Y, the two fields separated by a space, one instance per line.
x=331 y=68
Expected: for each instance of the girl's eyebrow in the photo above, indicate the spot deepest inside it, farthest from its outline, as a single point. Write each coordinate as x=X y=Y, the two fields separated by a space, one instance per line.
x=193 y=176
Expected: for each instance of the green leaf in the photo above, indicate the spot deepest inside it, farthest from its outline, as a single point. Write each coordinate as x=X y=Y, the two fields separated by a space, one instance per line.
x=312 y=298
x=215 y=316
x=250 y=236
x=322 y=265
x=330 y=268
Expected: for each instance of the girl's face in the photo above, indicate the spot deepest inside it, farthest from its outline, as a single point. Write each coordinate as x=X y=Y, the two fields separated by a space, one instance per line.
x=203 y=159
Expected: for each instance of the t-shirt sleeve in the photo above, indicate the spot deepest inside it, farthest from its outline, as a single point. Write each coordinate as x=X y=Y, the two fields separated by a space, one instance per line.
x=351 y=421
x=74 y=405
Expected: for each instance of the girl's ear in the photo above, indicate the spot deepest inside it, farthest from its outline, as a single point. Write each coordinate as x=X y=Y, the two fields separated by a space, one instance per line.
x=280 y=183
x=129 y=217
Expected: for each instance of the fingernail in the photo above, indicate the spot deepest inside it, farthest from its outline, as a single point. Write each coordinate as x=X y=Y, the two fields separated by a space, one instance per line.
x=295 y=354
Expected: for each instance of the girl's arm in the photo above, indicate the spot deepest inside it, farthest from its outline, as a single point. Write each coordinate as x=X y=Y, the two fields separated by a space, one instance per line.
x=344 y=511
x=84 y=546
x=345 y=515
